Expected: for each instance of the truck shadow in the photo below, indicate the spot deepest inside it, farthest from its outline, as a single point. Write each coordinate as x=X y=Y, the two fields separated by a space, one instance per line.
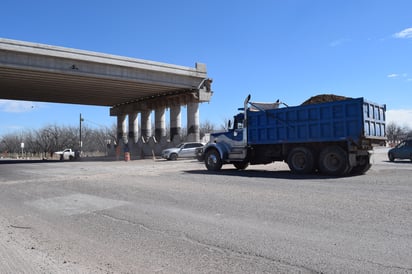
x=406 y=161
x=272 y=174
x=4 y=162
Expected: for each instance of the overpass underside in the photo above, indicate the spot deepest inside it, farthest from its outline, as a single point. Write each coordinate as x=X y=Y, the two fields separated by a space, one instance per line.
x=132 y=88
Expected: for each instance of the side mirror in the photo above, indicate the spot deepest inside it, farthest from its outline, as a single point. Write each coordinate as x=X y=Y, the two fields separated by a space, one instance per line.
x=229 y=124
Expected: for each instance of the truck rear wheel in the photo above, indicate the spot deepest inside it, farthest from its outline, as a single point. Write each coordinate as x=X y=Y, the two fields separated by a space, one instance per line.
x=241 y=165
x=333 y=160
x=363 y=166
x=213 y=161
x=301 y=160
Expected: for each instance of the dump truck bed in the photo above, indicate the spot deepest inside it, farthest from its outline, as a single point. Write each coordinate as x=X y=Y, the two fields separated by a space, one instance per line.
x=351 y=119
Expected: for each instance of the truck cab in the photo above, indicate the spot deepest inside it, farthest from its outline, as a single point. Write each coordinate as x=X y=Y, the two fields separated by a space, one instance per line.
x=235 y=131
x=230 y=146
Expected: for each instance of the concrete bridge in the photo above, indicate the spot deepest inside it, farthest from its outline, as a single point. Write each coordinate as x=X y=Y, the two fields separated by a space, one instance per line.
x=132 y=88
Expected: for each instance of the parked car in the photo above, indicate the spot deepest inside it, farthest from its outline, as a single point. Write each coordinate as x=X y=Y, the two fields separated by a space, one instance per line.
x=402 y=151
x=67 y=154
x=184 y=150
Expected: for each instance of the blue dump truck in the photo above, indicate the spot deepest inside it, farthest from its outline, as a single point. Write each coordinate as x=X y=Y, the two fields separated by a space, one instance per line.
x=332 y=138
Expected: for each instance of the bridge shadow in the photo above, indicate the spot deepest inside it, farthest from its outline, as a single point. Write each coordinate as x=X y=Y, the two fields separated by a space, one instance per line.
x=40 y=161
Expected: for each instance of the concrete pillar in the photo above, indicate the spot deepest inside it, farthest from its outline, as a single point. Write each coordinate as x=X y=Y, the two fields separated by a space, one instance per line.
x=193 y=133
x=133 y=128
x=175 y=121
x=160 y=124
x=122 y=145
x=146 y=123
x=121 y=129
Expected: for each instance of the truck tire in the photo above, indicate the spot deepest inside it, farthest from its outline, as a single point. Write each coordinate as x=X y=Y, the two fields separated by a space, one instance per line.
x=333 y=160
x=362 y=167
x=241 y=165
x=301 y=160
x=213 y=161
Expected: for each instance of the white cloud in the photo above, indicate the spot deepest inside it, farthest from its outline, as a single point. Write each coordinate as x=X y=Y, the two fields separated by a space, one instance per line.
x=401 y=117
x=403 y=76
x=338 y=42
x=406 y=34
x=15 y=106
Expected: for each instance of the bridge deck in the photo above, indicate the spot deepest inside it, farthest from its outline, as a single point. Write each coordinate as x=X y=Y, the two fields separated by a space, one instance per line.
x=38 y=72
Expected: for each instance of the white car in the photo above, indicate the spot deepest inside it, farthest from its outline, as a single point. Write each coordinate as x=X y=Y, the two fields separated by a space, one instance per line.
x=67 y=154
x=184 y=150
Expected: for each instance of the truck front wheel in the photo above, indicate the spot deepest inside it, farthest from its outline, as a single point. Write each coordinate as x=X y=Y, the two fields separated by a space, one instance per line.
x=333 y=160
x=301 y=160
x=213 y=161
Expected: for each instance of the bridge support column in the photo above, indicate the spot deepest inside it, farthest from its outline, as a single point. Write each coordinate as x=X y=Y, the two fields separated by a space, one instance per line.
x=133 y=128
x=133 y=132
x=146 y=123
x=121 y=135
x=160 y=124
x=193 y=133
x=175 y=122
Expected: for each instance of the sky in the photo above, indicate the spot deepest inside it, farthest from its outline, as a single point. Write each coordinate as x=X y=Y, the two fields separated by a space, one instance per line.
x=272 y=49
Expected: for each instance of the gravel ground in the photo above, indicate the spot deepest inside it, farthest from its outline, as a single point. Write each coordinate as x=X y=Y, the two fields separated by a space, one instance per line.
x=158 y=216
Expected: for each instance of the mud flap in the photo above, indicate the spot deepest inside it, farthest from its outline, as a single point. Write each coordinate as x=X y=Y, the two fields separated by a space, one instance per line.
x=352 y=160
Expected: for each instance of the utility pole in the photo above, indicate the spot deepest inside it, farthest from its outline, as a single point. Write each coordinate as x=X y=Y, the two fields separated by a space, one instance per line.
x=80 y=129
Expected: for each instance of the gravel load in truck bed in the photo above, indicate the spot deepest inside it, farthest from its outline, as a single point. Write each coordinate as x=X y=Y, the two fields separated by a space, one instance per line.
x=322 y=98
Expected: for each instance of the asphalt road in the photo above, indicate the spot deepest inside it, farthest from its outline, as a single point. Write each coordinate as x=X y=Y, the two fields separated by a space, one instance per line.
x=175 y=217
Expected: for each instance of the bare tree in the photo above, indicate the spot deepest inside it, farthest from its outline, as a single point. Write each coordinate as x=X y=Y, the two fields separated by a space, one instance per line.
x=96 y=140
x=395 y=133
x=225 y=123
x=51 y=138
x=206 y=127
x=11 y=143
x=112 y=134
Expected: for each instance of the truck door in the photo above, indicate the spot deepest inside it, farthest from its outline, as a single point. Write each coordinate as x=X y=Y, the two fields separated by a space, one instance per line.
x=237 y=131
